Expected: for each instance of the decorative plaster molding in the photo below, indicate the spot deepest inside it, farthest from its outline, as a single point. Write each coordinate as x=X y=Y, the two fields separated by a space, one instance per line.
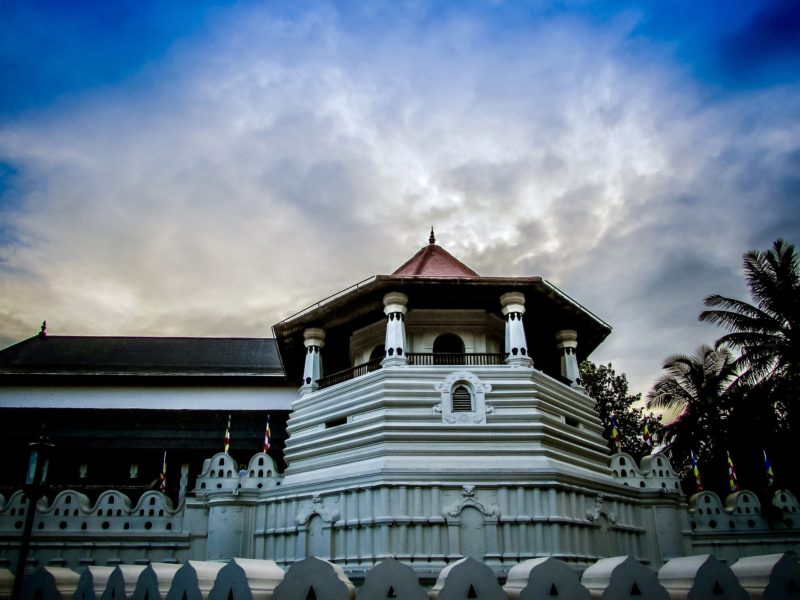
x=478 y=390
x=468 y=499
x=594 y=514
x=318 y=508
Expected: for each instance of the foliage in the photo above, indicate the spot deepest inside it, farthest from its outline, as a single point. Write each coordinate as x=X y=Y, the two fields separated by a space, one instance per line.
x=699 y=389
x=744 y=405
x=767 y=332
x=610 y=392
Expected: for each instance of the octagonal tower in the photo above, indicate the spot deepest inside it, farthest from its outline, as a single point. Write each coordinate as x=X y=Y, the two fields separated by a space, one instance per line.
x=447 y=420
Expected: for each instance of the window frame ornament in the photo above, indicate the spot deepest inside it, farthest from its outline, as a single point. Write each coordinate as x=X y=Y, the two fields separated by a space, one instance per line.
x=477 y=390
x=462 y=402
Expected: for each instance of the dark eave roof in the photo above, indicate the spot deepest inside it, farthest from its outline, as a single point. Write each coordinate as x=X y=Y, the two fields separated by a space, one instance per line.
x=362 y=304
x=142 y=356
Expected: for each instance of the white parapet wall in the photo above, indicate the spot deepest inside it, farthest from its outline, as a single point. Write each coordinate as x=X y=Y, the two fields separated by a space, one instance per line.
x=741 y=526
x=771 y=577
x=253 y=514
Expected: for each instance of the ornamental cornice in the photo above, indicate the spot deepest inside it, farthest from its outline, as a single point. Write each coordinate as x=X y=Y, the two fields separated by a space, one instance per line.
x=477 y=385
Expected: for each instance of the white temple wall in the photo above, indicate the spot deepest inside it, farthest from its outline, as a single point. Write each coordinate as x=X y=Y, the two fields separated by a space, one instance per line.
x=740 y=527
x=424 y=524
x=207 y=397
x=70 y=532
x=431 y=525
x=394 y=420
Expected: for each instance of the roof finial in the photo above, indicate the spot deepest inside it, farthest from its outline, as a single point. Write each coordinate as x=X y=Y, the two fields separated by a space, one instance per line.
x=432 y=239
x=43 y=331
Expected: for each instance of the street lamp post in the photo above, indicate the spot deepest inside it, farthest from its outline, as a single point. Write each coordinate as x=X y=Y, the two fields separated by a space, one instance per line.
x=34 y=486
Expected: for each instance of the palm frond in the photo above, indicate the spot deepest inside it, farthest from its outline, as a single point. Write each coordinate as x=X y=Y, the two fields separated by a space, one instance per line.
x=736 y=306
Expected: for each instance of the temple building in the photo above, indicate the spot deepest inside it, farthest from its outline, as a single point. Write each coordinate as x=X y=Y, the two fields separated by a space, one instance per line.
x=425 y=415
x=113 y=405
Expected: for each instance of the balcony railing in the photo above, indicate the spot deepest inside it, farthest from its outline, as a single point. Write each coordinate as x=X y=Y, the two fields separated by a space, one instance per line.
x=424 y=359
x=473 y=359
x=350 y=373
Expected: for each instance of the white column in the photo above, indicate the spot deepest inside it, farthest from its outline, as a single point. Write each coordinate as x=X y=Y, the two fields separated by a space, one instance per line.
x=394 y=306
x=314 y=340
x=567 y=342
x=513 y=304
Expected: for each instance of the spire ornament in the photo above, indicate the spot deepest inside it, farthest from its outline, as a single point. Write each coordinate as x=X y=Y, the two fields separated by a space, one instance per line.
x=432 y=238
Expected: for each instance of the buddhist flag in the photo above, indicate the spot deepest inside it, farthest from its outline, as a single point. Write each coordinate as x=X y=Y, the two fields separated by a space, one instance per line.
x=162 y=477
x=615 y=435
x=696 y=472
x=267 y=434
x=768 y=467
x=732 y=481
x=228 y=435
x=648 y=439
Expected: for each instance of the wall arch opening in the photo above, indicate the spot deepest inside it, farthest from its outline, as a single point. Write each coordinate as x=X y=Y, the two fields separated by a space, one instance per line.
x=448 y=349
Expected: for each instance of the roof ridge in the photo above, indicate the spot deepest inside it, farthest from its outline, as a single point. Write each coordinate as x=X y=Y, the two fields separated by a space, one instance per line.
x=420 y=264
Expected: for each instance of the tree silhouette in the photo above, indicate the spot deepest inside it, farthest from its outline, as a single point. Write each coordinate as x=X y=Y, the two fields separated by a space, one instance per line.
x=610 y=392
x=699 y=389
x=767 y=332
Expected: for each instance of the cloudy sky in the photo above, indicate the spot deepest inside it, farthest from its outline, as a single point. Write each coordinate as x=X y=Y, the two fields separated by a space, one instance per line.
x=207 y=168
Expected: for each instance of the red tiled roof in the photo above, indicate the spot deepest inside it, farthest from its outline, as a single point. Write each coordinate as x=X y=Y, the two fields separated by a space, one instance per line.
x=434 y=261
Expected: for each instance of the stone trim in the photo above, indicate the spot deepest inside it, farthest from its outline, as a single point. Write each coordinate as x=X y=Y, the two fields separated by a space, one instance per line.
x=477 y=389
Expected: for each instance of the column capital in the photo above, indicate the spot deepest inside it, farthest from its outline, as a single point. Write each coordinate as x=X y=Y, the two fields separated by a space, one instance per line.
x=314 y=336
x=566 y=338
x=395 y=302
x=513 y=302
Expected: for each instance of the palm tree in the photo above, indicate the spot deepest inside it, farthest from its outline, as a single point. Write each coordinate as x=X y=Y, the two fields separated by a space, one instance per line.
x=697 y=388
x=767 y=333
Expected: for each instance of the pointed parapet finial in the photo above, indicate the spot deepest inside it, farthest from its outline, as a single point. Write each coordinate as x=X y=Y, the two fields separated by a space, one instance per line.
x=43 y=330
x=432 y=238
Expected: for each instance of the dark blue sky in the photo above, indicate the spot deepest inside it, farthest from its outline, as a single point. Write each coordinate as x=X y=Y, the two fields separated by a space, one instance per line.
x=55 y=50
x=52 y=50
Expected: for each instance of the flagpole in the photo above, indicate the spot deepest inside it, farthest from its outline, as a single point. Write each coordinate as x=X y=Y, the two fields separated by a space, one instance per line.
x=267 y=434
x=768 y=468
x=732 y=481
x=615 y=435
x=696 y=472
x=227 y=444
x=163 y=475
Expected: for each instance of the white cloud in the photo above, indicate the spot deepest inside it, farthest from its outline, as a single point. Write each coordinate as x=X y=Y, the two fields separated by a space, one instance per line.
x=277 y=161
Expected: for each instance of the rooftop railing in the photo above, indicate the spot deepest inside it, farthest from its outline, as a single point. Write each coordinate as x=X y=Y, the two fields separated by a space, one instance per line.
x=474 y=359
x=350 y=373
